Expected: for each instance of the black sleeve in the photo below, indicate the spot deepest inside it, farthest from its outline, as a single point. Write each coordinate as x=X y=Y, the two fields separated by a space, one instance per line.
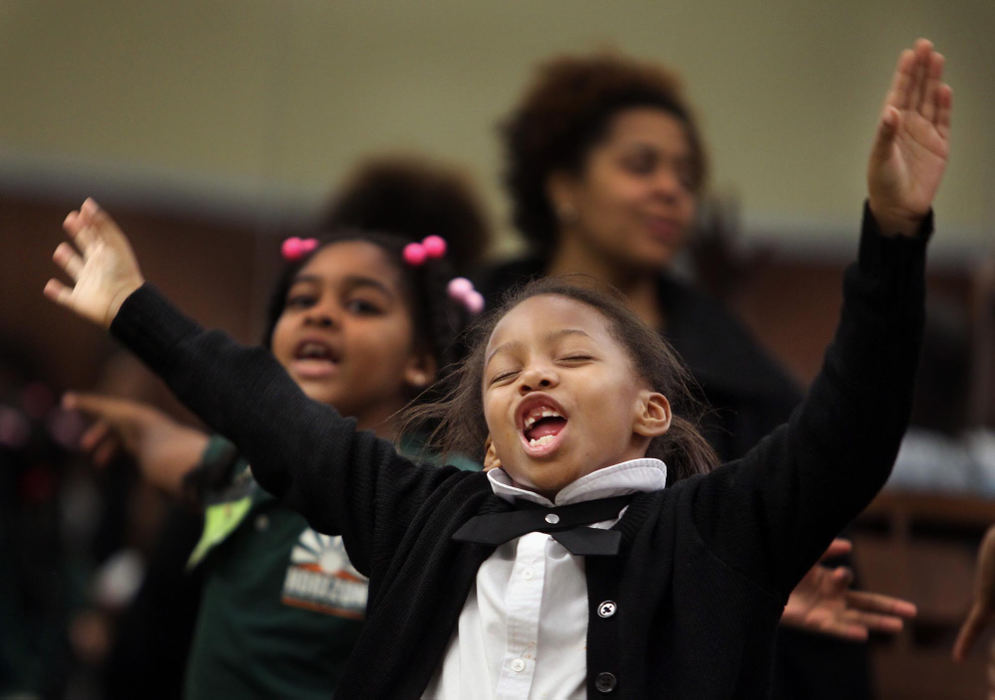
x=773 y=513
x=342 y=480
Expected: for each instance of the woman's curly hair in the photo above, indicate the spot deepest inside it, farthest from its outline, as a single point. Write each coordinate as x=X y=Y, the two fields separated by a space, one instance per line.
x=565 y=111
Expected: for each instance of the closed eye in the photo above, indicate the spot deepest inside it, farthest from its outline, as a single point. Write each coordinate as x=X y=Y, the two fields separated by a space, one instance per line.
x=503 y=377
x=576 y=358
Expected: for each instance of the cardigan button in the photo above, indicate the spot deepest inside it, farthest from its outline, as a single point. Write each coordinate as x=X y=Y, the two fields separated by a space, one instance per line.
x=605 y=682
x=552 y=518
x=607 y=608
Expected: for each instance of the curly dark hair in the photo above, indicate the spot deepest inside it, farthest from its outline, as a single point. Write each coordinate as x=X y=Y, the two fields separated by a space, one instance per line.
x=457 y=419
x=565 y=111
x=412 y=196
x=438 y=321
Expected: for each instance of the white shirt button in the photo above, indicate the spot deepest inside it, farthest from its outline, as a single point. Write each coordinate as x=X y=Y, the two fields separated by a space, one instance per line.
x=517 y=665
x=527 y=574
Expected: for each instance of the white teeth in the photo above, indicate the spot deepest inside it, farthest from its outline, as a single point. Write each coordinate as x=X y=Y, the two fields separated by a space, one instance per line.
x=531 y=419
x=537 y=442
x=313 y=350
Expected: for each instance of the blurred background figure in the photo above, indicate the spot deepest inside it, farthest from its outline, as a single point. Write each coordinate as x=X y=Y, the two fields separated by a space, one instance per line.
x=73 y=540
x=42 y=564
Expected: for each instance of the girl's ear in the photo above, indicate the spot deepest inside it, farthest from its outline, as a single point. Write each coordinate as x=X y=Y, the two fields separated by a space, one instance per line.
x=652 y=414
x=420 y=370
x=491 y=460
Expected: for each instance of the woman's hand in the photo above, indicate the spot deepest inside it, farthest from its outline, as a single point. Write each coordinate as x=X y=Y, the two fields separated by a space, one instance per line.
x=911 y=146
x=104 y=270
x=823 y=602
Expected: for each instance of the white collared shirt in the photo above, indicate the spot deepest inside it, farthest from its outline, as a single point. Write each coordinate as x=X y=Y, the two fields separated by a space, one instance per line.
x=523 y=629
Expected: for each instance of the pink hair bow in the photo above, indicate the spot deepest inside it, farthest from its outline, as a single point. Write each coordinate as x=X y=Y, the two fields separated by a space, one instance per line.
x=295 y=248
x=416 y=254
x=461 y=289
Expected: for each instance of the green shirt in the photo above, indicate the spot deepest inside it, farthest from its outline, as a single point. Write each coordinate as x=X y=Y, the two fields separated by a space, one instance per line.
x=281 y=607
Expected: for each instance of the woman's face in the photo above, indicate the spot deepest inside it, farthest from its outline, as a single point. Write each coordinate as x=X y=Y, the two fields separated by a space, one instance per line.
x=345 y=334
x=633 y=204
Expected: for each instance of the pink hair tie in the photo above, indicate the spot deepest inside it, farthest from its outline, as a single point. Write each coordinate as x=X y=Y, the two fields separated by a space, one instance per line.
x=461 y=289
x=295 y=248
x=416 y=254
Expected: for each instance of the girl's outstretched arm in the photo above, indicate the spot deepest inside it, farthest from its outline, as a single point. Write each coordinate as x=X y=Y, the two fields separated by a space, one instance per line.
x=342 y=480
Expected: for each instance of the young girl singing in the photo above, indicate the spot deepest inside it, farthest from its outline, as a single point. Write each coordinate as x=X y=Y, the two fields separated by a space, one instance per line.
x=579 y=566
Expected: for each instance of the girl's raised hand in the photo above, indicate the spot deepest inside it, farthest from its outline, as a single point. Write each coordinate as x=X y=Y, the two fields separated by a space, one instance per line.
x=103 y=269
x=912 y=142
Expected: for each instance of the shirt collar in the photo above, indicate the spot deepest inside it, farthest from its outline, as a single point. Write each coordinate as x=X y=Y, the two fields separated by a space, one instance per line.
x=633 y=476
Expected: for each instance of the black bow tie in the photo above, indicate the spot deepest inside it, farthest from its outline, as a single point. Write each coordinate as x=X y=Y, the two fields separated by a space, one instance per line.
x=566 y=524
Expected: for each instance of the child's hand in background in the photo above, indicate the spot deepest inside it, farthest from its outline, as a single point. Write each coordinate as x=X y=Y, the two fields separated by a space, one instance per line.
x=104 y=270
x=823 y=602
x=164 y=450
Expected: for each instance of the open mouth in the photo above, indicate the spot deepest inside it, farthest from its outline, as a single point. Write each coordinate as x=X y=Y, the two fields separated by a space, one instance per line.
x=663 y=229
x=542 y=423
x=314 y=359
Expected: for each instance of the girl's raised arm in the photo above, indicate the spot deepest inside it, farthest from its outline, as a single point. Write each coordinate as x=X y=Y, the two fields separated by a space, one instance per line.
x=811 y=477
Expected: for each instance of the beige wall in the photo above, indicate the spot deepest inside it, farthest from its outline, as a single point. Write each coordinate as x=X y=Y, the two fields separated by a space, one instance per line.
x=256 y=106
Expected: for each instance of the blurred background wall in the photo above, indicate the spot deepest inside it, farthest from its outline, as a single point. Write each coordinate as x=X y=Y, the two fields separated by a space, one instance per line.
x=256 y=106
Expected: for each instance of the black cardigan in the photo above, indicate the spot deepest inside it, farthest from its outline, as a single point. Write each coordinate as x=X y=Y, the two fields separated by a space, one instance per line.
x=706 y=564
